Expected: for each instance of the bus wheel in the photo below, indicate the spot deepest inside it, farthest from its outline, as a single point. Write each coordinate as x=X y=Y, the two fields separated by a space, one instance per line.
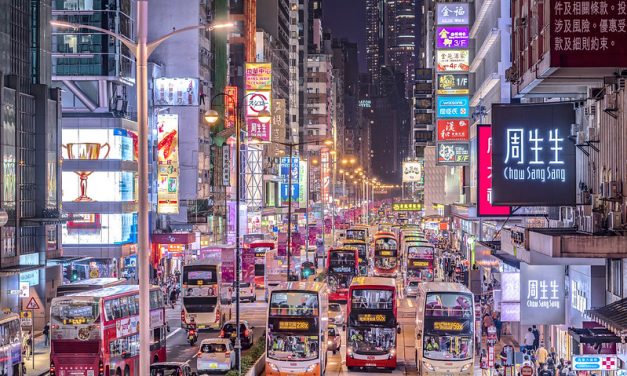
x=118 y=372
x=155 y=359
x=127 y=371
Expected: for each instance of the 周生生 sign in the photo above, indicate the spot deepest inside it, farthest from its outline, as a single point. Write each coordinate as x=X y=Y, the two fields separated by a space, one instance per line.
x=452 y=14
x=533 y=159
x=452 y=107
x=542 y=294
x=453 y=154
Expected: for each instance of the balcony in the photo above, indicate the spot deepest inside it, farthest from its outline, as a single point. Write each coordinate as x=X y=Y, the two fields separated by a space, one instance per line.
x=570 y=243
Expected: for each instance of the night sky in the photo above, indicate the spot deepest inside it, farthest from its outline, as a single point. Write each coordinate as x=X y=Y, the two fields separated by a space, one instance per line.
x=347 y=19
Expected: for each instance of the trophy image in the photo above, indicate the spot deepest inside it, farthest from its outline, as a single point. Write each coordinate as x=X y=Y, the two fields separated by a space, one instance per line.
x=85 y=151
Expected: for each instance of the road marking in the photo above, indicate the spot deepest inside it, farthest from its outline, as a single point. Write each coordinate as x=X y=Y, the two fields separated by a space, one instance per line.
x=173 y=333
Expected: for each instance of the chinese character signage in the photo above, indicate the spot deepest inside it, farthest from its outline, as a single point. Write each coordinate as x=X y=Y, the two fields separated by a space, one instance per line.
x=325 y=175
x=452 y=37
x=595 y=362
x=452 y=60
x=406 y=206
x=168 y=164
x=258 y=76
x=176 y=92
x=452 y=14
x=226 y=165
x=257 y=101
x=452 y=83
x=278 y=119
x=453 y=107
x=588 y=33
x=533 y=160
x=230 y=106
x=510 y=287
x=285 y=171
x=542 y=294
x=453 y=154
x=453 y=130
x=412 y=172
x=257 y=130
x=484 y=178
x=303 y=175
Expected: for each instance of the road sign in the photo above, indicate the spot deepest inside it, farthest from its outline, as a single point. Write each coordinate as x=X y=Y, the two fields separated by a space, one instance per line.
x=32 y=304
x=595 y=362
x=526 y=371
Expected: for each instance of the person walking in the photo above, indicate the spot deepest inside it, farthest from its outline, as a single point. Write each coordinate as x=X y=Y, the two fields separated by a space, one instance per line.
x=496 y=318
x=487 y=322
x=46 y=333
x=536 y=336
x=528 y=340
x=483 y=363
x=542 y=355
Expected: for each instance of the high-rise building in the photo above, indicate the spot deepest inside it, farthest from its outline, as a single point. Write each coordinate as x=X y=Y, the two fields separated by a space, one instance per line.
x=29 y=134
x=400 y=39
x=95 y=73
x=309 y=42
x=345 y=63
x=374 y=40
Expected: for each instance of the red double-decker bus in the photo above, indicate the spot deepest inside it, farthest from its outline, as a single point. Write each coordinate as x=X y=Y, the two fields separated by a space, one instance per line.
x=342 y=266
x=372 y=323
x=260 y=247
x=385 y=255
x=96 y=333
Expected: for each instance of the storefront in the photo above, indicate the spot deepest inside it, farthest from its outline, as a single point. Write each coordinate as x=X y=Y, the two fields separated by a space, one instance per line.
x=168 y=250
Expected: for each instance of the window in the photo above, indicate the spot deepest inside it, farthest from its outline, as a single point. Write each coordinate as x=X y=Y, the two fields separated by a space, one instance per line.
x=615 y=277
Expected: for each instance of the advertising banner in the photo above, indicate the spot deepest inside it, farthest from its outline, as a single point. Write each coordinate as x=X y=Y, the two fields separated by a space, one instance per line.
x=453 y=154
x=452 y=60
x=230 y=106
x=278 y=119
x=248 y=265
x=452 y=83
x=167 y=164
x=258 y=76
x=176 y=92
x=452 y=14
x=282 y=244
x=325 y=175
x=453 y=107
x=257 y=130
x=412 y=172
x=407 y=206
x=453 y=130
x=542 y=294
x=226 y=165
x=588 y=34
x=256 y=101
x=303 y=175
x=510 y=287
x=484 y=175
x=228 y=265
x=533 y=160
x=452 y=37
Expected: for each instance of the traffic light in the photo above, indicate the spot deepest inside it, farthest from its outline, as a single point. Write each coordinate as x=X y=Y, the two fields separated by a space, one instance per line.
x=74 y=276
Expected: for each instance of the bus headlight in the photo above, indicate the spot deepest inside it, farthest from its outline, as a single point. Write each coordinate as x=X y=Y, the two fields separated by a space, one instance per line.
x=428 y=366
x=273 y=367
x=466 y=367
x=392 y=354
x=349 y=351
x=311 y=368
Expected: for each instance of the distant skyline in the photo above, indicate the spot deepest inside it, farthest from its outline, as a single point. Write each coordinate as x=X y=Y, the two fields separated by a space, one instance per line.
x=347 y=19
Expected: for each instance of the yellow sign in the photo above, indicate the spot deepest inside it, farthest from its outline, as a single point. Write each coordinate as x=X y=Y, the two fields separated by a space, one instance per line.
x=75 y=321
x=293 y=325
x=371 y=318
x=258 y=76
x=447 y=325
x=386 y=253
x=26 y=314
x=424 y=264
x=407 y=206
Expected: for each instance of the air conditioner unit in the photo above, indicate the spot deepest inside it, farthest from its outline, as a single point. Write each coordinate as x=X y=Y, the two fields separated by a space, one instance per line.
x=592 y=134
x=581 y=138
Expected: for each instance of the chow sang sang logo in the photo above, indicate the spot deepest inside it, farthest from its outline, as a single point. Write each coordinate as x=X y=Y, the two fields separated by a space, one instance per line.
x=543 y=294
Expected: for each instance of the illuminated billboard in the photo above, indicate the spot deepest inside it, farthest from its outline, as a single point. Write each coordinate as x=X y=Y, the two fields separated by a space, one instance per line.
x=453 y=129
x=452 y=83
x=412 y=172
x=452 y=14
x=453 y=107
x=452 y=37
x=258 y=76
x=176 y=92
x=484 y=178
x=167 y=164
x=453 y=154
x=230 y=106
x=452 y=60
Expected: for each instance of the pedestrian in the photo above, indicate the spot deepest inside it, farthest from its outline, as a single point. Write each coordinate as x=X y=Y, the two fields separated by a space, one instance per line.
x=542 y=355
x=496 y=317
x=528 y=340
x=46 y=332
x=487 y=322
x=536 y=336
x=172 y=297
x=545 y=371
x=483 y=363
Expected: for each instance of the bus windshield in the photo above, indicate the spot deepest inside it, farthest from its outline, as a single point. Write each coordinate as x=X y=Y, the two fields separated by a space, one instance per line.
x=10 y=332
x=292 y=346
x=384 y=243
x=285 y=303
x=356 y=235
x=200 y=275
x=385 y=262
x=448 y=326
x=74 y=312
x=339 y=259
x=371 y=340
x=372 y=299
x=339 y=281
x=420 y=252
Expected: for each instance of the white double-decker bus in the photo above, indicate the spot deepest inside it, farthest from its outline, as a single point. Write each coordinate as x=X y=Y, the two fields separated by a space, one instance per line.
x=445 y=329
x=200 y=291
x=296 y=332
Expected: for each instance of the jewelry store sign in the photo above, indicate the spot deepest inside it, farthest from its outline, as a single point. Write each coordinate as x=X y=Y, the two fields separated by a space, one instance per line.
x=542 y=294
x=452 y=14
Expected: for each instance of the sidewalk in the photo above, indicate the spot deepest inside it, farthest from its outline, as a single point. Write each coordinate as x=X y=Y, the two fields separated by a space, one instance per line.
x=42 y=358
x=505 y=340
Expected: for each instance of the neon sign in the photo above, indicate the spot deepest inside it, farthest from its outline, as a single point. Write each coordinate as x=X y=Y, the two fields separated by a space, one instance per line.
x=293 y=325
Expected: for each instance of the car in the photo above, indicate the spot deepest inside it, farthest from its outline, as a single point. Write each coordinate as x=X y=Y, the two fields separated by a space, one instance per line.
x=247 y=292
x=215 y=355
x=334 y=340
x=171 y=369
x=336 y=315
x=229 y=331
x=412 y=288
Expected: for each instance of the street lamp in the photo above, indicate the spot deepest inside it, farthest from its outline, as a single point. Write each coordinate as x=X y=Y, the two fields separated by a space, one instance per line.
x=141 y=51
x=212 y=116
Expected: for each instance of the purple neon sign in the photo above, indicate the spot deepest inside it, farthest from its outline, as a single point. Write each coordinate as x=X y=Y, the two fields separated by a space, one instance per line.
x=452 y=36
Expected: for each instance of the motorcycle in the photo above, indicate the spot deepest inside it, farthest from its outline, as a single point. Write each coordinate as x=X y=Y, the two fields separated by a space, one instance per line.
x=192 y=336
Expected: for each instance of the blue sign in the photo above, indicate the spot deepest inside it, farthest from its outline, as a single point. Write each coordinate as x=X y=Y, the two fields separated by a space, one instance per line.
x=285 y=193
x=285 y=169
x=595 y=362
x=453 y=106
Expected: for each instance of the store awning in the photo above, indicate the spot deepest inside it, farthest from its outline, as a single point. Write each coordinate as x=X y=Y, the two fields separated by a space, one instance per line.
x=612 y=316
x=17 y=269
x=592 y=336
x=64 y=260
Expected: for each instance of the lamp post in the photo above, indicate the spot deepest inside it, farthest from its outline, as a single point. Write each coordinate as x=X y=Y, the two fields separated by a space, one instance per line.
x=212 y=116
x=141 y=50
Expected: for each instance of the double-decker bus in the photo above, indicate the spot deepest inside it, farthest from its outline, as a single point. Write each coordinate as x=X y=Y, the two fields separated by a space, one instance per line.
x=296 y=334
x=358 y=232
x=342 y=266
x=260 y=247
x=385 y=255
x=372 y=323
x=88 y=285
x=362 y=254
x=200 y=291
x=97 y=332
x=10 y=345
x=445 y=329
x=419 y=262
